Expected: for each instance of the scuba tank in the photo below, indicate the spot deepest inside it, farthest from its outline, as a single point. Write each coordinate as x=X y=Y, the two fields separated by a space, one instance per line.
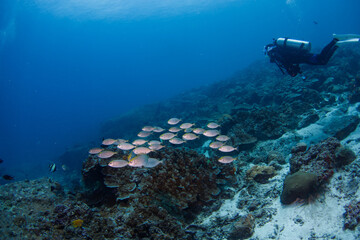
x=293 y=44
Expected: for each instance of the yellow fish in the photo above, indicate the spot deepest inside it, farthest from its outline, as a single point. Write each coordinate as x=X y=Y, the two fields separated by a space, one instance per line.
x=77 y=223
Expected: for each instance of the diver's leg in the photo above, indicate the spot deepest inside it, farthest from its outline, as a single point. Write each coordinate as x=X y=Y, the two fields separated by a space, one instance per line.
x=325 y=55
x=329 y=54
x=328 y=47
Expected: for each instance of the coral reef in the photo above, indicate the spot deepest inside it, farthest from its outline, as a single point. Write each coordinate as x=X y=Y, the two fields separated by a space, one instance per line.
x=299 y=185
x=260 y=174
x=321 y=159
x=172 y=193
x=352 y=215
x=277 y=122
x=243 y=228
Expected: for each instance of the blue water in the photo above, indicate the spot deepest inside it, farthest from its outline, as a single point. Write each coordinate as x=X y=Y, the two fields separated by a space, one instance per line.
x=66 y=67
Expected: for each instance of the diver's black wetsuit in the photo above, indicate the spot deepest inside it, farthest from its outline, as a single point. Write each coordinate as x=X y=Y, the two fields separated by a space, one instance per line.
x=289 y=59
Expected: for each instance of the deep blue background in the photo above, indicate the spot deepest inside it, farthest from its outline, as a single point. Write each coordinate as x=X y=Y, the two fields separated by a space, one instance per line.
x=61 y=75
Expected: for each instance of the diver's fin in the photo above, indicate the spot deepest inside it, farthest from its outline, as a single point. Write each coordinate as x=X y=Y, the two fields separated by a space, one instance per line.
x=342 y=37
x=352 y=40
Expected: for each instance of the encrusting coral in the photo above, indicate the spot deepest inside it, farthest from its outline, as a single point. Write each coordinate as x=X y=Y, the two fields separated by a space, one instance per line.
x=173 y=192
x=312 y=168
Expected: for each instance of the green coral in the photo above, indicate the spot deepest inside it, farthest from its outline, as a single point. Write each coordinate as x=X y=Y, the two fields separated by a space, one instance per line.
x=298 y=185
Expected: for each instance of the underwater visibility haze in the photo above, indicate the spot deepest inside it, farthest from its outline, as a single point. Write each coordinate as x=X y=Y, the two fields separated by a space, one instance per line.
x=67 y=66
x=139 y=119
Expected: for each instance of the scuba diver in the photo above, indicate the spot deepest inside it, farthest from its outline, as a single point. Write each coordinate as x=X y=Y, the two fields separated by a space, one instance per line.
x=289 y=53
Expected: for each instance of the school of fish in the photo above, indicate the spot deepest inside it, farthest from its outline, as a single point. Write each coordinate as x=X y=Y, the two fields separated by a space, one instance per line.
x=139 y=148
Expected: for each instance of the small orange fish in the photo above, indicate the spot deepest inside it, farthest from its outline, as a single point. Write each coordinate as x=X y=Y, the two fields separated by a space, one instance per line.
x=77 y=223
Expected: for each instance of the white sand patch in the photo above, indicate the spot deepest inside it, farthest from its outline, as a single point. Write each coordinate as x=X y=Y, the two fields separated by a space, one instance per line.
x=353 y=140
x=352 y=110
x=312 y=134
x=227 y=210
x=322 y=219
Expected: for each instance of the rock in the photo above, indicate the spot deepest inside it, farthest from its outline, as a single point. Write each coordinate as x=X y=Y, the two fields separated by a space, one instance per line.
x=344 y=156
x=300 y=147
x=276 y=157
x=318 y=159
x=298 y=185
x=260 y=174
x=243 y=228
x=355 y=96
x=351 y=215
x=307 y=120
x=340 y=127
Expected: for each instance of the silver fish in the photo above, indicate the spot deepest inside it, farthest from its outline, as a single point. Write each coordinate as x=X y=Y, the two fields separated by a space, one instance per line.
x=216 y=144
x=108 y=141
x=148 y=128
x=118 y=141
x=167 y=136
x=174 y=129
x=144 y=134
x=152 y=162
x=141 y=150
x=106 y=154
x=139 y=160
x=158 y=129
x=211 y=133
x=152 y=142
x=213 y=125
x=139 y=142
x=95 y=150
x=227 y=148
x=226 y=159
x=189 y=136
x=198 y=130
x=155 y=147
x=186 y=125
x=176 y=140
x=174 y=121
x=125 y=146
x=118 y=163
x=222 y=138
